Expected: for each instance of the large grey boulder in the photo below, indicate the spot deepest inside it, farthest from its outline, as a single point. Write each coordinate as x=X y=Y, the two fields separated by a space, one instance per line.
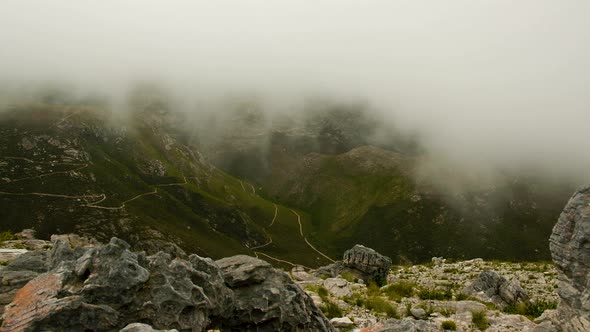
x=107 y=287
x=492 y=287
x=365 y=263
x=570 y=249
x=267 y=299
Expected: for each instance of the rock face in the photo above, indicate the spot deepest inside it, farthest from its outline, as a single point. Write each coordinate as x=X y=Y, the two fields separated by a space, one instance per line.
x=267 y=299
x=106 y=288
x=491 y=287
x=365 y=263
x=570 y=250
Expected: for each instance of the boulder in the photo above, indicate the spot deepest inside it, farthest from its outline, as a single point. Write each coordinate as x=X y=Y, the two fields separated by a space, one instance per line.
x=108 y=287
x=360 y=261
x=491 y=287
x=342 y=322
x=418 y=313
x=338 y=287
x=267 y=299
x=370 y=263
x=570 y=250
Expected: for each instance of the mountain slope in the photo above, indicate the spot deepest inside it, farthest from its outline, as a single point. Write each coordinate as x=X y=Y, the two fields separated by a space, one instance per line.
x=73 y=168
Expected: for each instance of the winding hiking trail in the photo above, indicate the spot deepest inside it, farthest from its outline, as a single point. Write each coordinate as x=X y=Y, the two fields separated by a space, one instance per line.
x=306 y=241
x=275 y=216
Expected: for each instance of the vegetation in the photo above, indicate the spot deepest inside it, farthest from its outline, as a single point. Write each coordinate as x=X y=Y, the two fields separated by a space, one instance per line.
x=398 y=290
x=348 y=277
x=530 y=309
x=448 y=325
x=480 y=320
x=6 y=236
x=331 y=310
x=435 y=294
x=380 y=305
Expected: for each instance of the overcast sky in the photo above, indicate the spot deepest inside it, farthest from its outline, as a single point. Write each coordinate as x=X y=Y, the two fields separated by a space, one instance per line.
x=499 y=82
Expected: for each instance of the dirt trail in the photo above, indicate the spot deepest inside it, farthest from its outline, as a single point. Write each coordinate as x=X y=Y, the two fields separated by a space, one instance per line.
x=305 y=239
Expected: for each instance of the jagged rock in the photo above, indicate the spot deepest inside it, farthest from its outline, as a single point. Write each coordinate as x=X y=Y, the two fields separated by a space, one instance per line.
x=35 y=261
x=510 y=323
x=342 y=322
x=139 y=327
x=438 y=260
x=338 y=286
x=364 y=263
x=570 y=249
x=300 y=275
x=8 y=255
x=267 y=299
x=491 y=287
x=407 y=324
x=370 y=263
x=418 y=313
x=106 y=288
x=18 y=272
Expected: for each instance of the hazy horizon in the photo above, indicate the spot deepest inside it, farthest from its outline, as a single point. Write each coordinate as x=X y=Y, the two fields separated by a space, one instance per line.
x=485 y=84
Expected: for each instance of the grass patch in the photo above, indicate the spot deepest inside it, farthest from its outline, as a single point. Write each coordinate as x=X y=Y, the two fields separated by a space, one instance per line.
x=398 y=290
x=348 y=277
x=331 y=310
x=480 y=320
x=6 y=236
x=448 y=325
x=435 y=294
x=380 y=305
x=530 y=309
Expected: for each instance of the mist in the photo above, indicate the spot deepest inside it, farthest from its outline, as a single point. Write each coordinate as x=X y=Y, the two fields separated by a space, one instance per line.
x=486 y=85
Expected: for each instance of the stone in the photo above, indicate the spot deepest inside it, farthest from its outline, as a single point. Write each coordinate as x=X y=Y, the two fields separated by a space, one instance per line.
x=418 y=313
x=370 y=263
x=491 y=287
x=267 y=299
x=139 y=327
x=338 y=287
x=570 y=250
x=109 y=287
x=360 y=261
x=342 y=322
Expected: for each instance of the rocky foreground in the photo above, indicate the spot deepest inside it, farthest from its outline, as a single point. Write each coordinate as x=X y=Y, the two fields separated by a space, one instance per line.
x=76 y=284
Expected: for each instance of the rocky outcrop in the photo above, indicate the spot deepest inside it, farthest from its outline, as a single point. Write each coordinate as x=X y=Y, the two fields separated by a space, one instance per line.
x=491 y=287
x=570 y=250
x=106 y=288
x=364 y=263
x=267 y=299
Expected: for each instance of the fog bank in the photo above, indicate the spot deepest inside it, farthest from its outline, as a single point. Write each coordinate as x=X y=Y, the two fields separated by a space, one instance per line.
x=487 y=84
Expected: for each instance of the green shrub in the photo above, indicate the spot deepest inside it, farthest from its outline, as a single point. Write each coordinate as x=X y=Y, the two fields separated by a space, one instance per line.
x=480 y=320
x=323 y=292
x=461 y=297
x=397 y=291
x=373 y=289
x=381 y=305
x=530 y=309
x=435 y=294
x=331 y=310
x=348 y=277
x=6 y=236
x=449 y=325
